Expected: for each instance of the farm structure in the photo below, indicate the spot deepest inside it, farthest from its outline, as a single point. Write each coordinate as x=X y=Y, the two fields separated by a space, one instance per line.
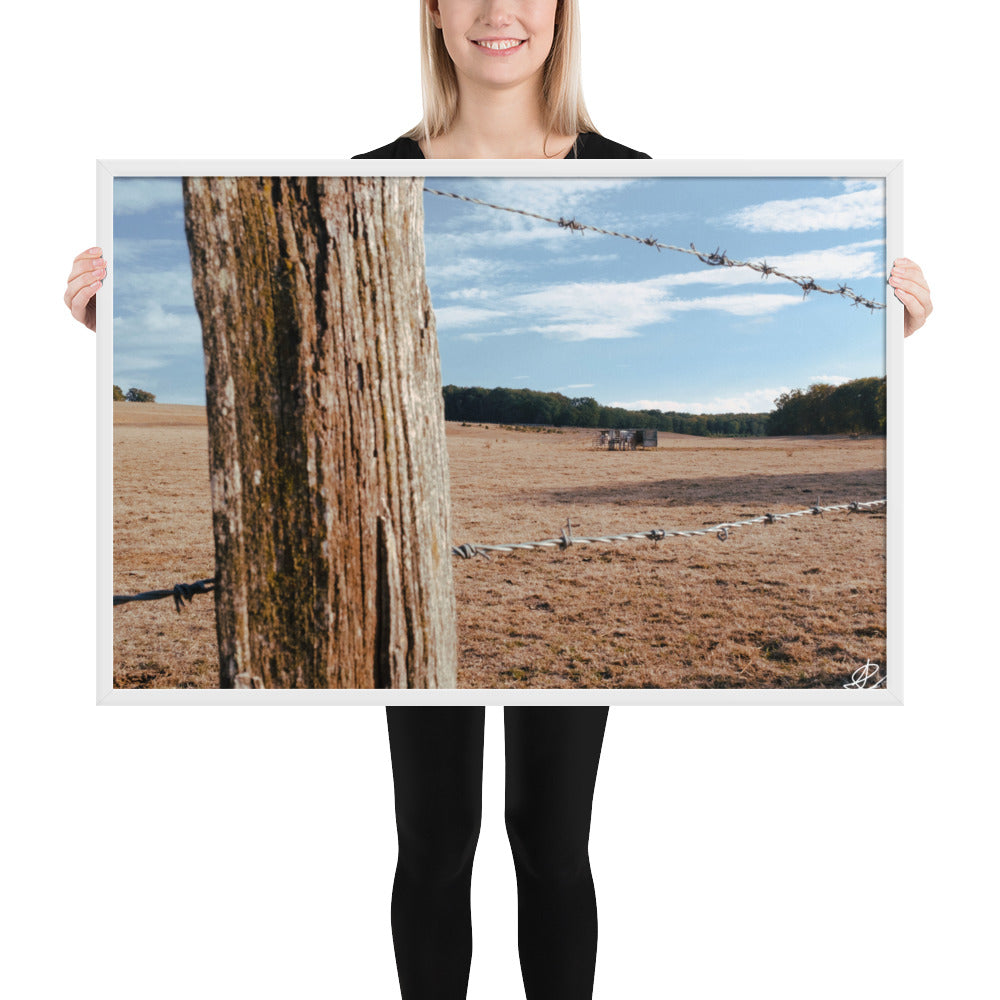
x=627 y=440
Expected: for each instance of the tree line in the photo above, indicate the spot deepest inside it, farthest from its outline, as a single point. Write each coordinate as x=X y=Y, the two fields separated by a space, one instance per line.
x=133 y=395
x=528 y=406
x=857 y=406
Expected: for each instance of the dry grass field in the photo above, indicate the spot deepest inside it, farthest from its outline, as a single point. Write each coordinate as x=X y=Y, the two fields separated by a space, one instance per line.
x=800 y=603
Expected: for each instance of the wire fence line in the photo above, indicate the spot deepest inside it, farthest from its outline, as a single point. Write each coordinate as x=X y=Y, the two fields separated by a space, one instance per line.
x=182 y=592
x=805 y=282
x=721 y=531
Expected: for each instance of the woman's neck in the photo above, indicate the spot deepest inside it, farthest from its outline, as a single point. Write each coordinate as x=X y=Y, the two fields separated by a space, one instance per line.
x=498 y=124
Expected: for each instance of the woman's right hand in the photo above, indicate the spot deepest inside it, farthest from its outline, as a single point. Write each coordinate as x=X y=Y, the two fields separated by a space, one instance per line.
x=87 y=275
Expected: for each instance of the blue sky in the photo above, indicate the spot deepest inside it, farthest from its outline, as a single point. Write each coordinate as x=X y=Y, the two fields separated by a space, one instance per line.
x=524 y=303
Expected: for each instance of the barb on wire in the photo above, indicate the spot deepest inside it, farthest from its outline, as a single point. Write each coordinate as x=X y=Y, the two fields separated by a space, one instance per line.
x=805 y=282
x=180 y=592
x=721 y=531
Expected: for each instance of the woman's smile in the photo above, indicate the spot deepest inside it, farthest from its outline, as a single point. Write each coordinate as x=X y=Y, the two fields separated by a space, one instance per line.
x=498 y=46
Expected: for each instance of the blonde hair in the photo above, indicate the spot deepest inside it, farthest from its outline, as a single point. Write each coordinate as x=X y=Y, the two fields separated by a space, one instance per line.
x=562 y=92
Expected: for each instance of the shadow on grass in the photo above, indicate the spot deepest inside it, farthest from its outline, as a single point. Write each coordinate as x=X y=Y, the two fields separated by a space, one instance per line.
x=772 y=491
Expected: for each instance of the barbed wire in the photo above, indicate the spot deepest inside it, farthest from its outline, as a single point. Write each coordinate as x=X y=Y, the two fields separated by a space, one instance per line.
x=656 y=534
x=805 y=282
x=182 y=592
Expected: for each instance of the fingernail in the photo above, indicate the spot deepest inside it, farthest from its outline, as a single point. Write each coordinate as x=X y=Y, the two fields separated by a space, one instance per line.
x=94 y=250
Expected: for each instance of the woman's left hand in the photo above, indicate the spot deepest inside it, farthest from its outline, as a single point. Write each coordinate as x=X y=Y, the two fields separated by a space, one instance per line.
x=910 y=286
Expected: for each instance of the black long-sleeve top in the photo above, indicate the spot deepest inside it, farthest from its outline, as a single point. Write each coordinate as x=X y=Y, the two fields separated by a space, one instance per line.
x=588 y=146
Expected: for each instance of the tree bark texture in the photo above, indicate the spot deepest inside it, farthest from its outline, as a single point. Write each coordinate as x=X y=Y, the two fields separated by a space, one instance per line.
x=326 y=432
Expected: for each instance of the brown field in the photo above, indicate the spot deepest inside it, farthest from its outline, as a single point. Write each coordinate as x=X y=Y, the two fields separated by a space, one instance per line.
x=800 y=603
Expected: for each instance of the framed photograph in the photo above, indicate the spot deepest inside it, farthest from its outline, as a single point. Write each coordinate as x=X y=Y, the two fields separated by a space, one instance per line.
x=616 y=431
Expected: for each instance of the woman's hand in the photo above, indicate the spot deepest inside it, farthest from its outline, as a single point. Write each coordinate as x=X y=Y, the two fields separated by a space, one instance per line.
x=87 y=275
x=910 y=286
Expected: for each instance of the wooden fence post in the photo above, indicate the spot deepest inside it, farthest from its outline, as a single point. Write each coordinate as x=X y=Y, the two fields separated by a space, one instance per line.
x=326 y=432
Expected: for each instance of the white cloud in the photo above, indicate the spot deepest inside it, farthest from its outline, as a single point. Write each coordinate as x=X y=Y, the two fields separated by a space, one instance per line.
x=127 y=364
x=136 y=250
x=568 y=311
x=555 y=198
x=452 y=316
x=520 y=233
x=760 y=304
x=854 y=209
x=583 y=330
x=552 y=196
x=586 y=258
x=141 y=288
x=844 y=262
x=155 y=319
x=599 y=310
x=157 y=330
x=635 y=302
x=576 y=311
x=752 y=401
x=466 y=268
x=135 y=195
x=830 y=379
x=470 y=294
x=482 y=335
x=861 y=183
x=572 y=309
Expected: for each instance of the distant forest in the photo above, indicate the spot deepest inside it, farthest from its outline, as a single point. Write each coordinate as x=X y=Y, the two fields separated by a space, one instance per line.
x=856 y=407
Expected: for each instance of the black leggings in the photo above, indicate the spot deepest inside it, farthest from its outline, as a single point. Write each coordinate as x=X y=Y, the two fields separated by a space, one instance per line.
x=552 y=755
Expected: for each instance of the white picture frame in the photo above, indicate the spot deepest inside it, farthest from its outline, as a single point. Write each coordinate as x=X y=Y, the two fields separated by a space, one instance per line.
x=888 y=692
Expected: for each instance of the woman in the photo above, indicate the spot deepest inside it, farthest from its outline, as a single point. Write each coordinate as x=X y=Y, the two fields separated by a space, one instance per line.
x=501 y=79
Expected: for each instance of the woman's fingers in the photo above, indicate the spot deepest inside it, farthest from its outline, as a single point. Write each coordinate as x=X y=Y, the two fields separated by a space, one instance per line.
x=905 y=268
x=909 y=299
x=85 y=277
x=910 y=287
x=83 y=307
x=915 y=314
x=84 y=263
x=85 y=254
x=83 y=280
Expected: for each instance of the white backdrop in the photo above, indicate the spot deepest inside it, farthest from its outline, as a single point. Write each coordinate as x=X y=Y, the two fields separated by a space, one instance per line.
x=737 y=852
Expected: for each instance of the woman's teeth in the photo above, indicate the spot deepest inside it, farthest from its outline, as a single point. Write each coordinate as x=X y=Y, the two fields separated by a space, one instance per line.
x=509 y=44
